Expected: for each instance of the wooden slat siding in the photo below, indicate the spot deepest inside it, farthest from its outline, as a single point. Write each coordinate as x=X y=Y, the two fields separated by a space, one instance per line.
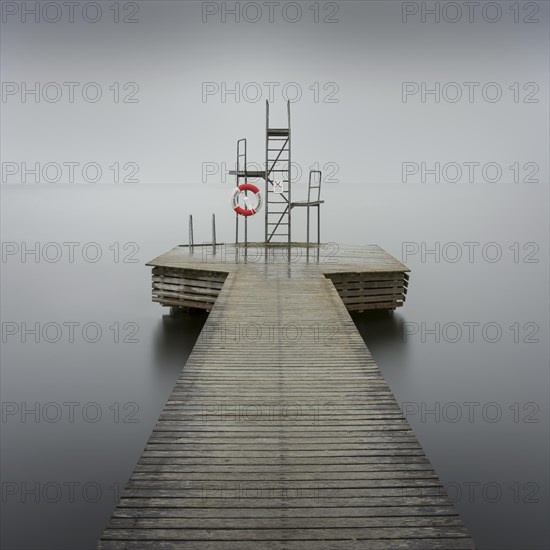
x=366 y=278
x=182 y=287
x=362 y=291
x=229 y=467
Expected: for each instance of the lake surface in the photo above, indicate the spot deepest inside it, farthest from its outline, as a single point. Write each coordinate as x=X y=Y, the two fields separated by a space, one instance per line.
x=82 y=394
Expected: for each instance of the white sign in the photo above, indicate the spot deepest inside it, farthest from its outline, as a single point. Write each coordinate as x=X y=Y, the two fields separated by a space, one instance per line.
x=278 y=187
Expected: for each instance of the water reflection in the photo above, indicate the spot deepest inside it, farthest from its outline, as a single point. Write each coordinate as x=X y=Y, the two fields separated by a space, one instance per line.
x=174 y=338
x=383 y=332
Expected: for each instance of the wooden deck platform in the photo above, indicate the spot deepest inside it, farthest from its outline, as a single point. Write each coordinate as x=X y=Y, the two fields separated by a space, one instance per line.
x=281 y=432
x=365 y=277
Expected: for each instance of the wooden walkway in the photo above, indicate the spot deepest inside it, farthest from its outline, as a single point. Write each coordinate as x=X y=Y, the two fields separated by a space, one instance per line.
x=281 y=433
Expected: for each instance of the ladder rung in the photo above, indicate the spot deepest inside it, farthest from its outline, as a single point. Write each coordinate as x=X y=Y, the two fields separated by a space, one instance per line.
x=277 y=131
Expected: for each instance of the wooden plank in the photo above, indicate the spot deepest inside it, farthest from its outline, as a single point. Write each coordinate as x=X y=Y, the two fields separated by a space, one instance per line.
x=396 y=544
x=183 y=296
x=215 y=285
x=182 y=303
x=187 y=289
x=360 y=290
x=304 y=512
x=212 y=277
x=289 y=523
x=402 y=532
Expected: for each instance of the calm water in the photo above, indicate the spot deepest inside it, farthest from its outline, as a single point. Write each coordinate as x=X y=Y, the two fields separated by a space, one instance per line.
x=99 y=394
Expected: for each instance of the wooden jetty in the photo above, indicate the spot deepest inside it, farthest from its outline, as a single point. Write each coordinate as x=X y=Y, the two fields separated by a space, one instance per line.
x=281 y=432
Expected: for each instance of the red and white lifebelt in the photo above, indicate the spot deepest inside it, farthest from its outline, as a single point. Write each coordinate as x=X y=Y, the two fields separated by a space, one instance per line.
x=249 y=210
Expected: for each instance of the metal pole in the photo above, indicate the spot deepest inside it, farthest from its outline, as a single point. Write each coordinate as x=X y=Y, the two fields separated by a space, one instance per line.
x=289 y=179
x=191 y=240
x=307 y=250
x=214 y=233
x=319 y=209
x=266 y=169
x=318 y=231
x=245 y=238
x=238 y=166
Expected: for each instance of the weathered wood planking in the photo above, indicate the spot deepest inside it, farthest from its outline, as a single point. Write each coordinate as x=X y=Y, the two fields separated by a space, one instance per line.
x=365 y=277
x=191 y=288
x=281 y=432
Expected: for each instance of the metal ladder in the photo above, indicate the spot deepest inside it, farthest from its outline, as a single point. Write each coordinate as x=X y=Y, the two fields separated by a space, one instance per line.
x=277 y=169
